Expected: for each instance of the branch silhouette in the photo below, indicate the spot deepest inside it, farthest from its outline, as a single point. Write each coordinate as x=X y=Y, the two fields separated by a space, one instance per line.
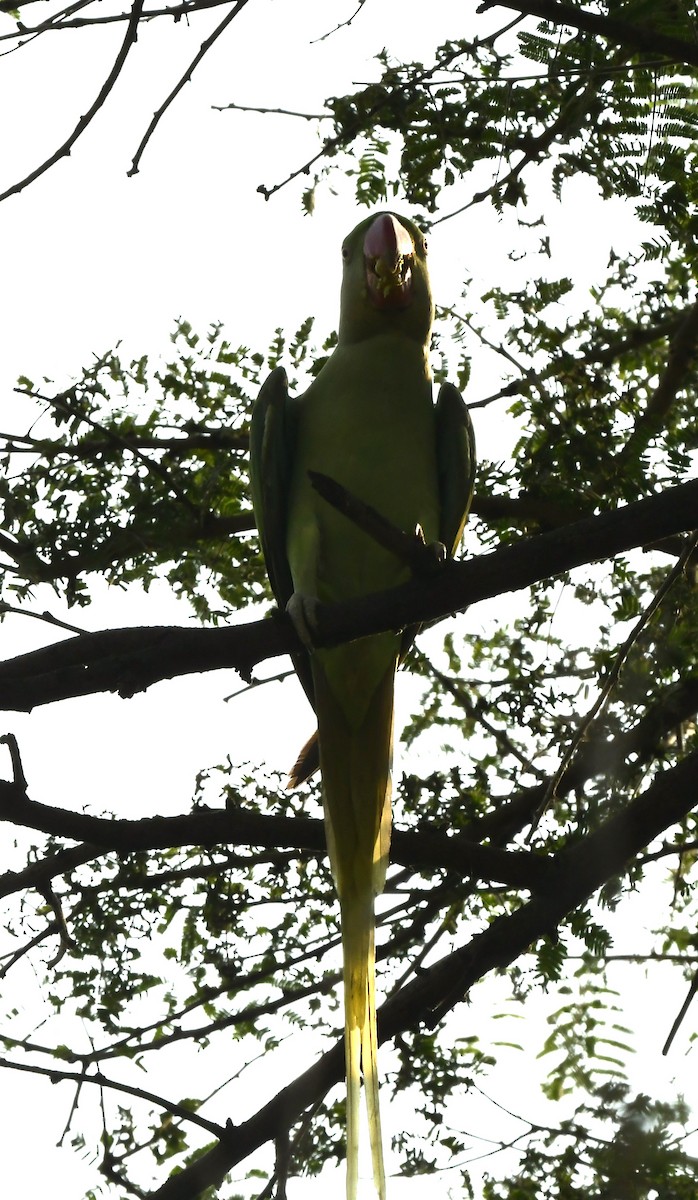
x=423 y=849
x=133 y=659
x=635 y=34
x=109 y=83
x=578 y=873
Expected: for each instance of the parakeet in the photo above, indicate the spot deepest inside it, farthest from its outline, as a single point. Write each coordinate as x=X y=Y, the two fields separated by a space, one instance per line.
x=369 y=422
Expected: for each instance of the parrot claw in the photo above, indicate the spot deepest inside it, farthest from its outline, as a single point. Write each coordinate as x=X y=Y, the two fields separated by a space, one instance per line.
x=439 y=554
x=301 y=609
x=429 y=557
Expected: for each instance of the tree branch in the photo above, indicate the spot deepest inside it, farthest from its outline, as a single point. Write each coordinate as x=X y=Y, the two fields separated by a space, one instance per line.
x=90 y=447
x=65 y=149
x=186 y=77
x=176 y=11
x=581 y=733
x=629 y=35
x=215 y=827
x=346 y=136
x=579 y=872
x=36 y=874
x=682 y=354
x=61 y=402
x=130 y=660
x=57 y=1074
x=424 y=849
x=641 y=335
x=126 y=542
x=411 y=548
x=575 y=102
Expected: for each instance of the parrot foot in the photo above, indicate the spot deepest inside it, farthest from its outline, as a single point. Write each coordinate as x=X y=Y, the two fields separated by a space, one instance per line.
x=301 y=609
x=426 y=558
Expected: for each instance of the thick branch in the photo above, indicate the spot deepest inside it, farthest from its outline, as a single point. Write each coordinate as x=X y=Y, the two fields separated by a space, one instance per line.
x=130 y=660
x=641 y=335
x=631 y=35
x=37 y=874
x=579 y=872
x=423 y=850
x=216 y=827
x=523 y=509
x=128 y=542
x=91 y=447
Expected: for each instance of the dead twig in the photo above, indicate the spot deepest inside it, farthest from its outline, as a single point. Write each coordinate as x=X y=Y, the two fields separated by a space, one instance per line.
x=66 y=147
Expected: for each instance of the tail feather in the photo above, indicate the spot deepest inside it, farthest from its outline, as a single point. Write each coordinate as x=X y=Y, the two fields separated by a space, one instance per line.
x=356 y=763
x=369 y=1062
x=352 y=1051
x=361 y=1042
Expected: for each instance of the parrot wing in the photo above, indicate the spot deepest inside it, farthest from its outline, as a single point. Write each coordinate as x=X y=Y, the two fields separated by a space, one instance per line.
x=271 y=461
x=271 y=456
x=455 y=455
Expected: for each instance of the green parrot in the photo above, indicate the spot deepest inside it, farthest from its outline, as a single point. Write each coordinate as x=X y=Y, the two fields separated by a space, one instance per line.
x=369 y=422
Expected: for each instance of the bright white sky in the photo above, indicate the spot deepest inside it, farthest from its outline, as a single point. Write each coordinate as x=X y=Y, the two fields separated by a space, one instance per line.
x=89 y=257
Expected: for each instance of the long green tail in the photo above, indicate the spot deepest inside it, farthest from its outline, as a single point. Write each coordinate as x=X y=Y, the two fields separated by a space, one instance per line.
x=361 y=1042
x=356 y=759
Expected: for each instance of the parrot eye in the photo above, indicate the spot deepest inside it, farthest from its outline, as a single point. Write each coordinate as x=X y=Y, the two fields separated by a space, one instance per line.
x=345 y=252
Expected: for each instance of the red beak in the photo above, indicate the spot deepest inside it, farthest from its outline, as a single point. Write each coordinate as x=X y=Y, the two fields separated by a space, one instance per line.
x=388 y=259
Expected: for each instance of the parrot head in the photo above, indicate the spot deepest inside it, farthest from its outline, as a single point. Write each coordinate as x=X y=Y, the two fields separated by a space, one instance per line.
x=388 y=257
x=386 y=282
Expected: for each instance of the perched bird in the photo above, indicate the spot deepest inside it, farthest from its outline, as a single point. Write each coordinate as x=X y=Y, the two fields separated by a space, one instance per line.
x=369 y=422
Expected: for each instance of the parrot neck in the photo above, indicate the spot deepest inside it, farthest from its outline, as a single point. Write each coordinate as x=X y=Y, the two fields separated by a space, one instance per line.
x=387 y=353
x=359 y=322
x=386 y=346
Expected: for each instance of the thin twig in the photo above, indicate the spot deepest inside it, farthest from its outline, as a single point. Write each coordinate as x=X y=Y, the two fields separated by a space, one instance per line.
x=679 y=848
x=277 y=112
x=58 y=1074
x=476 y=712
x=17 y=955
x=612 y=678
x=497 y=347
x=422 y=558
x=257 y=683
x=151 y=464
x=71 y=1114
x=416 y=962
x=344 y=137
x=176 y=11
x=18 y=776
x=66 y=147
x=186 y=77
x=684 y=1009
x=536 y=147
x=342 y=25
x=66 y=941
x=30 y=35
x=44 y=616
